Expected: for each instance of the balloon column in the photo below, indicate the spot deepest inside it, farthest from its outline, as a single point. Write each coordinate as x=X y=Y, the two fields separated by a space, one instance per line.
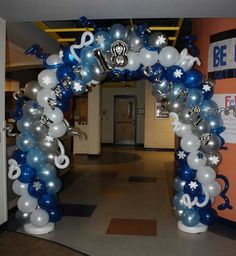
x=120 y=53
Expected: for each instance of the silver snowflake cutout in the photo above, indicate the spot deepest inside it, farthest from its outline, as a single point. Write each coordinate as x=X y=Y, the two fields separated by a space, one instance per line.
x=100 y=39
x=193 y=185
x=161 y=39
x=49 y=138
x=206 y=88
x=178 y=73
x=37 y=185
x=181 y=155
x=78 y=87
x=61 y=55
x=215 y=160
x=47 y=80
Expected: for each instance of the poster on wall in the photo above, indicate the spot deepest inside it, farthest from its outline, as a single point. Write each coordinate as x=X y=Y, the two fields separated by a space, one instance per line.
x=222 y=55
x=161 y=110
x=226 y=100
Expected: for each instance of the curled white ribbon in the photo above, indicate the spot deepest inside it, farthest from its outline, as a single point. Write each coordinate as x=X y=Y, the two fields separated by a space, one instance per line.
x=14 y=169
x=62 y=161
x=175 y=123
x=83 y=43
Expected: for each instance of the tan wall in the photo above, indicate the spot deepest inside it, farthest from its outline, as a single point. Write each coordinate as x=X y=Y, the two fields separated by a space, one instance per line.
x=108 y=106
x=158 y=132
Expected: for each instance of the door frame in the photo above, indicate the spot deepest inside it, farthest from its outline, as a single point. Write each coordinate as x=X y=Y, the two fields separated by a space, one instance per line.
x=114 y=117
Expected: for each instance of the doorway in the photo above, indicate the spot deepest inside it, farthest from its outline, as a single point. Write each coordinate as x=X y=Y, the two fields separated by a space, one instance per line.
x=125 y=120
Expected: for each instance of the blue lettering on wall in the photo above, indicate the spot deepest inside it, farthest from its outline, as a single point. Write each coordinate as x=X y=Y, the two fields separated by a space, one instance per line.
x=223 y=55
x=219 y=56
x=216 y=58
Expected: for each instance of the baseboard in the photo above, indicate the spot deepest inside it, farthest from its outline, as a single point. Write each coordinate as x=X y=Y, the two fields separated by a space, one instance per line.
x=160 y=149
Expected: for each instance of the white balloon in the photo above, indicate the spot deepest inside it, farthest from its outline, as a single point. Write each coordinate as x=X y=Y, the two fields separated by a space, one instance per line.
x=26 y=203
x=168 y=56
x=57 y=130
x=183 y=129
x=47 y=78
x=133 y=61
x=148 y=58
x=20 y=188
x=196 y=160
x=39 y=218
x=44 y=95
x=213 y=189
x=186 y=61
x=206 y=175
x=190 y=143
x=56 y=115
x=54 y=59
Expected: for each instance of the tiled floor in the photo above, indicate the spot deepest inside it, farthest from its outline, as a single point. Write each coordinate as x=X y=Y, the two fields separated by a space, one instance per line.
x=105 y=182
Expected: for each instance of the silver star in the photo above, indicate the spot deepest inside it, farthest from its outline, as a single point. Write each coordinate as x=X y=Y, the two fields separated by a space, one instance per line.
x=78 y=87
x=193 y=185
x=49 y=138
x=178 y=73
x=61 y=55
x=47 y=80
x=37 y=185
x=181 y=155
x=161 y=39
x=100 y=39
x=206 y=88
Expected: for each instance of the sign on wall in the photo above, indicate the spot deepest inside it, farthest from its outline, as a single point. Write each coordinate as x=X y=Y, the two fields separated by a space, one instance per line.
x=222 y=55
x=226 y=100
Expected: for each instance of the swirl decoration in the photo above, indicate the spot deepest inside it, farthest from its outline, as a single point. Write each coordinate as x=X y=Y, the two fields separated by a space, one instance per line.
x=120 y=54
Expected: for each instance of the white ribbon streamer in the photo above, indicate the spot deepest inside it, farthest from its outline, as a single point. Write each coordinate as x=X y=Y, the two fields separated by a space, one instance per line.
x=14 y=169
x=62 y=161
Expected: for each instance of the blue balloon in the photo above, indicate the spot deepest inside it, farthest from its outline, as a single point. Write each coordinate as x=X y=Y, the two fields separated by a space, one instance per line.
x=207 y=216
x=116 y=75
x=47 y=202
x=174 y=74
x=190 y=217
x=53 y=185
x=55 y=214
x=63 y=93
x=78 y=88
x=215 y=122
x=24 y=124
x=87 y=57
x=19 y=156
x=85 y=73
x=193 y=188
x=63 y=105
x=68 y=58
x=186 y=173
x=35 y=157
x=176 y=89
x=208 y=108
x=201 y=199
x=65 y=72
x=117 y=32
x=37 y=188
x=179 y=184
x=194 y=98
x=27 y=174
x=178 y=202
x=207 y=94
x=181 y=156
x=192 y=78
x=158 y=73
x=102 y=40
x=46 y=172
x=26 y=141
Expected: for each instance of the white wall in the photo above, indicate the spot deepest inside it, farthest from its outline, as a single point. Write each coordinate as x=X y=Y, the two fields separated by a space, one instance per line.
x=108 y=106
x=3 y=183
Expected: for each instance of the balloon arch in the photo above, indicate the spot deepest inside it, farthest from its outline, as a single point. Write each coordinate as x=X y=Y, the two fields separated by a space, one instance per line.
x=120 y=53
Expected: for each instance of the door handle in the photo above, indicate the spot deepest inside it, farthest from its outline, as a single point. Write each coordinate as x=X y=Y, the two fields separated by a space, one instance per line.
x=133 y=122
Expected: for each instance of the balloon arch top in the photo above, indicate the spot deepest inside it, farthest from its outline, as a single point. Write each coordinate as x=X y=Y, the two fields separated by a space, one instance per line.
x=120 y=53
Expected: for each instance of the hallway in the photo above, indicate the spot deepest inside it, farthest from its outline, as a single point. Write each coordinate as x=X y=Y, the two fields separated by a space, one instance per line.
x=127 y=184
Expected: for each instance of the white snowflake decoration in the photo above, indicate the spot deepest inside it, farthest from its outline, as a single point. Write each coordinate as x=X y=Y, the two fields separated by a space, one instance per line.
x=161 y=39
x=178 y=73
x=181 y=155
x=61 y=55
x=47 y=80
x=215 y=160
x=78 y=87
x=206 y=88
x=49 y=138
x=100 y=39
x=193 y=185
x=37 y=185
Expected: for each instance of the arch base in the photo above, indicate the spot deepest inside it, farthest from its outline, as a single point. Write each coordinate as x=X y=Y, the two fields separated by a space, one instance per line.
x=199 y=228
x=31 y=229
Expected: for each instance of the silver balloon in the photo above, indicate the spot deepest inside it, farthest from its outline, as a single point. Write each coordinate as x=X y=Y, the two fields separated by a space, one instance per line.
x=22 y=218
x=48 y=143
x=56 y=115
x=213 y=189
x=188 y=116
x=183 y=129
x=98 y=73
x=47 y=78
x=174 y=106
x=133 y=61
x=168 y=56
x=54 y=59
x=157 y=39
x=117 y=32
x=49 y=157
x=214 y=159
x=200 y=127
x=31 y=90
x=213 y=145
x=134 y=42
x=196 y=160
x=58 y=130
x=190 y=143
x=32 y=110
x=20 y=188
x=38 y=128
x=148 y=58
x=39 y=218
x=26 y=203
x=24 y=124
x=44 y=96
x=206 y=175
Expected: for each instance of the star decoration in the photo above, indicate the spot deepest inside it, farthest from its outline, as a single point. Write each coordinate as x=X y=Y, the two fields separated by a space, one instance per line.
x=34 y=104
x=37 y=185
x=193 y=185
x=161 y=39
x=47 y=80
x=100 y=39
x=215 y=160
x=206 y=88
x=78 y=87
x=61 y=55
x=178 y=73
x=49 y=138
x=200 y=155
x=181 y=154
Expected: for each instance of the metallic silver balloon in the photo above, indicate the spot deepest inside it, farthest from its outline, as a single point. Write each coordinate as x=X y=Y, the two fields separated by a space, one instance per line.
x=22 y=218
x=54 y=59
x=206 y=175
x=49 y=157
x=39 y=218
x=26 y=203
x=24 y=124
x=58 y=130
x=38 y=128
x=157 y=39
x=213 y=145
x=214 y=159
x=200 y=127
x=31 y=90
x=44 y=96
x=32 y=110
x=19 y=188
x=213 y=189
x=98 y=73
x=55 y=115
x=187 y=116
x=174 y=106
x=190 y=143
x=48 y=143
x=134 y=42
